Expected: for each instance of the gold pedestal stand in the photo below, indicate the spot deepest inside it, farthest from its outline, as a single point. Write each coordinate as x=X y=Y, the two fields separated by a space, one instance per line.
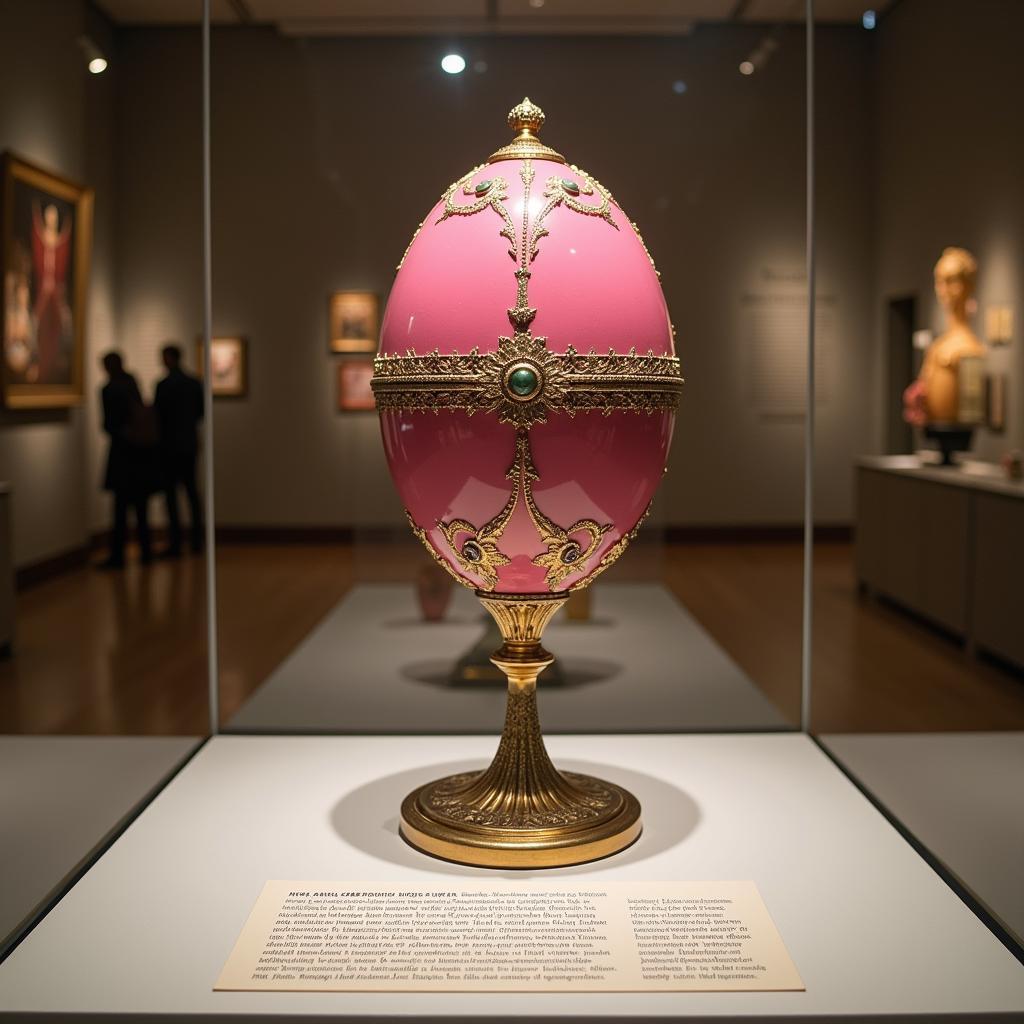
x=521 y=812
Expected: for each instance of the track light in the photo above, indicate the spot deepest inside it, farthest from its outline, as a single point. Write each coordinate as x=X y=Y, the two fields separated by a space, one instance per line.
x=94 y=59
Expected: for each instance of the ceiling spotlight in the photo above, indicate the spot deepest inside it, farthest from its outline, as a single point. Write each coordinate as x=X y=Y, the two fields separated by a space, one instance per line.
x=869 y=19
x=747 y=67
x=95 y=61
x=453 y=63
x=679 y=87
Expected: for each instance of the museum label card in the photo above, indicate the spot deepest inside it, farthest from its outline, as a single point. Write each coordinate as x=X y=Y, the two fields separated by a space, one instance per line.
x=469 y=936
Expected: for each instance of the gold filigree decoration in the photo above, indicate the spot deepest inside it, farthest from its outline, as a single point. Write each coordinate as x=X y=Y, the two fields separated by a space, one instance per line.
x=444 y=195
x=564 y=556
x=473 y=798
x=421 y=536
x=476 y=549
x=640 y=239
x=566 y=191
x=570 y=382
x=415 y=235
x=614 y=553
x=489 y=193
x=478 y=553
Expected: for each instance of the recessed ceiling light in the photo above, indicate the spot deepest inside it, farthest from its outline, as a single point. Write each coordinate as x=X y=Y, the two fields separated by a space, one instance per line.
x=747 y=68
x=453 y=63
x=98 y=65
x=679 y=87
x=869 y=19
x=537 y=4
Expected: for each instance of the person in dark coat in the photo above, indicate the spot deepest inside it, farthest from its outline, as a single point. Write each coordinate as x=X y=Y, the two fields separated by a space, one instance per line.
x=124 y=421
x=179 y=409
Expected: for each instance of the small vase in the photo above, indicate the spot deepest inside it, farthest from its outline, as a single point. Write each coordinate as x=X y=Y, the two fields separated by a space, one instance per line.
x=434 y=590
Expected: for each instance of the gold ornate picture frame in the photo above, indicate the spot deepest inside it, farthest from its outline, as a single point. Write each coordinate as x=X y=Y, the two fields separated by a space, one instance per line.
x=45 y=250
x=353 y=320
x=354 y=393
x=229 y=357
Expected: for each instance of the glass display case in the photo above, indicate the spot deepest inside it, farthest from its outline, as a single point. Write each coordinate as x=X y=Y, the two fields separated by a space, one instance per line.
x=232 y=650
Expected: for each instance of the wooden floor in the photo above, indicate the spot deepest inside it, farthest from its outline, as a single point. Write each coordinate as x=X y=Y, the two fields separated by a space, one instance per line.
x=126 y=652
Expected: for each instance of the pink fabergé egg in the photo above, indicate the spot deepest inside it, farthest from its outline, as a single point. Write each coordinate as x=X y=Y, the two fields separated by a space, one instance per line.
x=526 y=380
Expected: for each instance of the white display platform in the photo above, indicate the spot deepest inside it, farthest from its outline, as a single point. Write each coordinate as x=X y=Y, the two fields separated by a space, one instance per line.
x=60 y=797
x=874 y=932
x=962 y=796
x=374 y=666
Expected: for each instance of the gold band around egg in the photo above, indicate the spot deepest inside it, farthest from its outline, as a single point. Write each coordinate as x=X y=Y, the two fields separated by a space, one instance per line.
x=571 y=382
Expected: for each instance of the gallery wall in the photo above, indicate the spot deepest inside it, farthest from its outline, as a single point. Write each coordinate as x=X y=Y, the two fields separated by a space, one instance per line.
x=55 y=114
x=950 y=171
x=328 y=152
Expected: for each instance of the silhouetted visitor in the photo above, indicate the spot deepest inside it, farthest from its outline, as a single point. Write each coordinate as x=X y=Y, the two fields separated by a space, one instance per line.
x=129 y=473
x=179 y=409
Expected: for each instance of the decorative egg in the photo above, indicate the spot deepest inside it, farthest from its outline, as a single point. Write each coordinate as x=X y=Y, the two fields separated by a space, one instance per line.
x=527 y=379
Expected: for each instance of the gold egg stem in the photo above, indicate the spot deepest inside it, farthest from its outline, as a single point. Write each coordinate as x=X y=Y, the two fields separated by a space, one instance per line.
x=521 y=811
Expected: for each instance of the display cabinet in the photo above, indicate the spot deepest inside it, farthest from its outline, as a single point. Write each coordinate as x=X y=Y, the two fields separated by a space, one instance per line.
x=807 y=667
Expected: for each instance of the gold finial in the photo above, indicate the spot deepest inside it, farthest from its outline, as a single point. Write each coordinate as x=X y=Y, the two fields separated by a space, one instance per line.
x=526 y=118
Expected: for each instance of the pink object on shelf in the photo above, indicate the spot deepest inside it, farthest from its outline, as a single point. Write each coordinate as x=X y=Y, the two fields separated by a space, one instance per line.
x=591 y=285
x=915 y=407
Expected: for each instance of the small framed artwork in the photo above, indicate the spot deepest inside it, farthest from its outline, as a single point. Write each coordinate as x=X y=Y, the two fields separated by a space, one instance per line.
x=229 y=363
x=999 y=325
x=45 y=247
x=354 y=393
x=995 y=402
x=353 y=319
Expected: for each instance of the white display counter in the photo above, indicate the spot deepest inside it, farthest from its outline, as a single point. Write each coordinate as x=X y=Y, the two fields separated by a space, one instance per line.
x=874 y=932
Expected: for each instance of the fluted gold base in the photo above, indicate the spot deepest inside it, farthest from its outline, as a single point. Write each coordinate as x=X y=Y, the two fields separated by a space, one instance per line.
x=521 y=812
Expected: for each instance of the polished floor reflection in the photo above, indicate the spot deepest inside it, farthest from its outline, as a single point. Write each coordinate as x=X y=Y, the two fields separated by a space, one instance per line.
x=110 y=652
x=126 y=652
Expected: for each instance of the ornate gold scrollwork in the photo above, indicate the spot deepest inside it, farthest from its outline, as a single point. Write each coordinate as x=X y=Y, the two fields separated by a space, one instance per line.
x=476 y=549
x=560 y=191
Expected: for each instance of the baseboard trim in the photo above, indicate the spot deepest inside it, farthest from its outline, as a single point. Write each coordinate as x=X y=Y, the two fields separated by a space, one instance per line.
x=34 y=573
x=266 y=534
x=754 y=533
x=706 y=534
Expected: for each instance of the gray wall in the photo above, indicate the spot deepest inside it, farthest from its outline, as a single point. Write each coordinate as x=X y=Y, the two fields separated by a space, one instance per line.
x=328 y=152
x=950 y=171
x=55 y=114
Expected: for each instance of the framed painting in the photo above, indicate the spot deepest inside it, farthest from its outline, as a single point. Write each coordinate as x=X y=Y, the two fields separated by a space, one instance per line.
x=46 y=240
x=354 y=393
x=354 y=321
x=229 y=364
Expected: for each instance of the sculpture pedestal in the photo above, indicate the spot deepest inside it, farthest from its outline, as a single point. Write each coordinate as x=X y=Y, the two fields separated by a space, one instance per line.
x=950 y=437
x=521 y=812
